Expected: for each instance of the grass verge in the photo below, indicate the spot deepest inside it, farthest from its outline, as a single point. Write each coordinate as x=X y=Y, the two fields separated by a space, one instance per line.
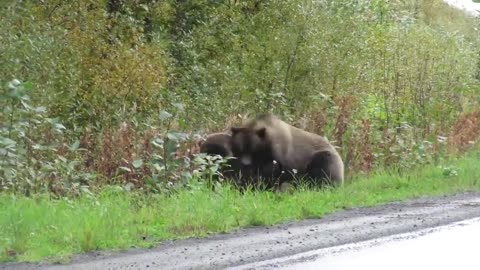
x=36 y=228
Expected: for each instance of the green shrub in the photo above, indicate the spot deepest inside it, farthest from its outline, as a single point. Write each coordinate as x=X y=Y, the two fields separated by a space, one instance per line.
x=372 y=76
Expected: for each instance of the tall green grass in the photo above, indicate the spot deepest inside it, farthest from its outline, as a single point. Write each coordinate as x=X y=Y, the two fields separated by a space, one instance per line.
x=37 y=227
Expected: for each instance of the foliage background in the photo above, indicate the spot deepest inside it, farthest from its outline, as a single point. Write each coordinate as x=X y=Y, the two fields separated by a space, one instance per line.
x=106 y=85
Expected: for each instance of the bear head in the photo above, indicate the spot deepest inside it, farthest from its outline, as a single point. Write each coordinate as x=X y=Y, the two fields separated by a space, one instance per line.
x=251 y=146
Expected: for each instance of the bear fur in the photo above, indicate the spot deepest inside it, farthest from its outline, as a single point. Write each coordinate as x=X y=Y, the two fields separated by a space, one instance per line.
x=221 y=144
x=266 y=138
x=217 y=144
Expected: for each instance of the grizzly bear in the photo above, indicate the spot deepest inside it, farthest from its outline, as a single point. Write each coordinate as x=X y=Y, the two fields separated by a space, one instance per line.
x=267 y=138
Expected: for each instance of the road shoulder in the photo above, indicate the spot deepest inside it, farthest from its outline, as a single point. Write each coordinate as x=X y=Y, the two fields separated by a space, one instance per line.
x=263 y=243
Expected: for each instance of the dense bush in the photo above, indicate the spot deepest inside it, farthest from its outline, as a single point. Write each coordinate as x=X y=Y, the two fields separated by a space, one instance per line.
x=380 y=79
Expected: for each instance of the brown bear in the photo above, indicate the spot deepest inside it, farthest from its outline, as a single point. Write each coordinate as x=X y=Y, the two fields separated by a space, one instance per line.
x=266 y=138
x=244 y=174
x=217 y=144
x=220 y=144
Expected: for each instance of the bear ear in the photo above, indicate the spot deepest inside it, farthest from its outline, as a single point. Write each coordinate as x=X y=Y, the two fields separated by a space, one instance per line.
x=262 y=132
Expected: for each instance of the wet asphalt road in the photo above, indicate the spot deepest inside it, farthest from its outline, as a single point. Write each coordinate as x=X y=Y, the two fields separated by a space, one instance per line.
x=466 y=5
x=253 y=245
x=452 y=246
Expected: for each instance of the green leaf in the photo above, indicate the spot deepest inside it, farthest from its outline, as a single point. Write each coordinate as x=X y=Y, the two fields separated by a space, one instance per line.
x=128 y=187
x=85 y=190
x=75 y=145
x=158 y=167
x=137 y=163
x=14 y=84
x=73 y=164
x=59 y=126
x=172 y=136
x=158 y=142
x=144 y=7
x=165 y=115
x=177 y=136
x=40 y=109
x=16 y=93
x=27 y=85
x=178 y=105
x=8 y=142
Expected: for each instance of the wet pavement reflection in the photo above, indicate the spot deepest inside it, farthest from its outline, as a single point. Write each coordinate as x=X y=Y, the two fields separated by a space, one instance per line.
x=467 y=5
x=454 y=246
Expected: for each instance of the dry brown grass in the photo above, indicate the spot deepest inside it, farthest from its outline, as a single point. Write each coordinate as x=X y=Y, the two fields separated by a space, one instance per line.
x=345 y=105
x=119 y=147
x=316 y=121
x=465 y=132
